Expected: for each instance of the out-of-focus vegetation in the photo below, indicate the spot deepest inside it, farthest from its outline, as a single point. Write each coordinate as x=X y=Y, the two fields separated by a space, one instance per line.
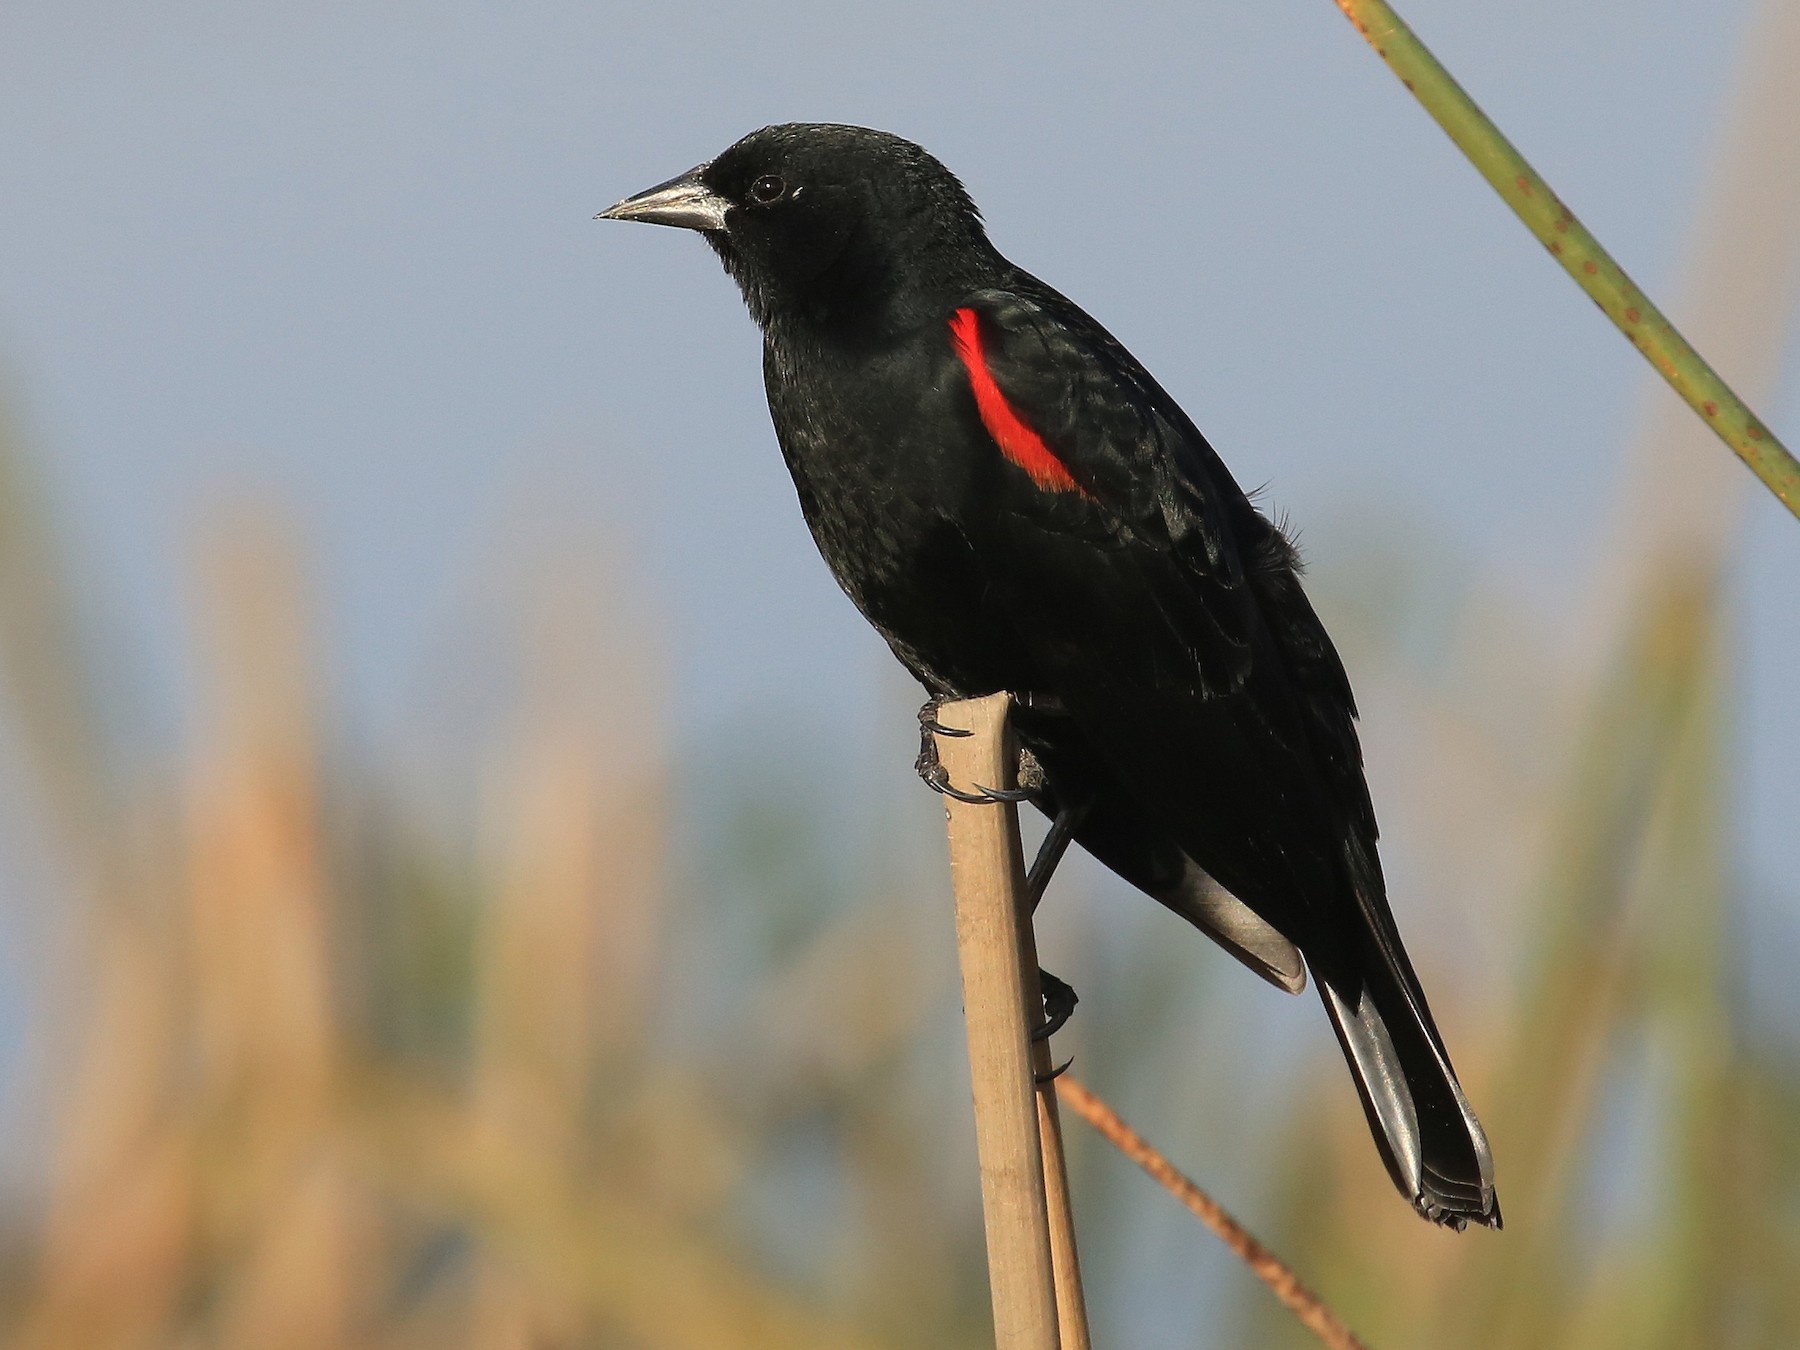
x=574 y=1032
x=626 y=1051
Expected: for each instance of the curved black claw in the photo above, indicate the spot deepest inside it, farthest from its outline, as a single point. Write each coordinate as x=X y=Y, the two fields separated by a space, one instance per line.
x=940 y=782
x=937 y=778
x=928 y=721
x=1059 y=1006
x=1044 y=1079
x=1013 y=795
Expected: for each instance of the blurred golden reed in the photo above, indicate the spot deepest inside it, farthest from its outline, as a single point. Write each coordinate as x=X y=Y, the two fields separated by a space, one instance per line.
x=323 y=1071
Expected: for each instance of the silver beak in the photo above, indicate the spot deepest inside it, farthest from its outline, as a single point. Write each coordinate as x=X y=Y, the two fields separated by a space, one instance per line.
x=684 y=202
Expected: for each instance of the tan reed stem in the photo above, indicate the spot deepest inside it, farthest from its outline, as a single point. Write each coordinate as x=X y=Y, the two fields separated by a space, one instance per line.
x=1065 y=1257
x=986 y=872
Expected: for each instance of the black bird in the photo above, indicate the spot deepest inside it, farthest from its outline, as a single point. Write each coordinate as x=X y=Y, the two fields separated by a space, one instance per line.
x=1015 y=504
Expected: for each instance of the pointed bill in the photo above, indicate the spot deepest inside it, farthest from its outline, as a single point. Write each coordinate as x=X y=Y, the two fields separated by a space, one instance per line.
x=684 y=202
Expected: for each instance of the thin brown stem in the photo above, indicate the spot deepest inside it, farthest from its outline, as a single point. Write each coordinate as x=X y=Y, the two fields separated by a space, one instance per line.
x=1268 y=1267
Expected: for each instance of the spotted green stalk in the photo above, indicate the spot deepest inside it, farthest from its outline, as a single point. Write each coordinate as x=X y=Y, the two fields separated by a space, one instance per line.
x=1577 y=250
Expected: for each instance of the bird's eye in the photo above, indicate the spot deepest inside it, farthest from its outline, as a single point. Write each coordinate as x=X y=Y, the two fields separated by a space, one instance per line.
x=768 y=189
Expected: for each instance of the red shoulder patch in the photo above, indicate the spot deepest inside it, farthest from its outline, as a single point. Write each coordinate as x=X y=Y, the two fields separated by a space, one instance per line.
x=1017 y=441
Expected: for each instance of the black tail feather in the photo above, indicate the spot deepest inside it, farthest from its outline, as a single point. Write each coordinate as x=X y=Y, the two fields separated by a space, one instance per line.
x=1434 y=1147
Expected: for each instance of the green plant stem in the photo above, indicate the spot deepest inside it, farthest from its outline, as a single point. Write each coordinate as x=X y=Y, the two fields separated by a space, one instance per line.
x=1578 y=251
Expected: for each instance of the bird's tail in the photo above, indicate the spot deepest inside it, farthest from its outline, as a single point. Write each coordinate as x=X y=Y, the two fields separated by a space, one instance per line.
x=1434 y=1148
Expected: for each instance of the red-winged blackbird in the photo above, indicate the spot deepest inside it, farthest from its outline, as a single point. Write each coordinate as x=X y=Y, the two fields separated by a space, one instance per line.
x=1015 y=504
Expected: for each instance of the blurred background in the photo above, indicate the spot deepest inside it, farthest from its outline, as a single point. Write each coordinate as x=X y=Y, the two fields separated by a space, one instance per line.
x=464 y=882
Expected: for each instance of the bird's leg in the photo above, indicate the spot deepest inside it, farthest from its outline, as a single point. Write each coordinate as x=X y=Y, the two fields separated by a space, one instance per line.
x=1059 y=996
x=1069 y=815
x=1050 y=852
x=937 y=777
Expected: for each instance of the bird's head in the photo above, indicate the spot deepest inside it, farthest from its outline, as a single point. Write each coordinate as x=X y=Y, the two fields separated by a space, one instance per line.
x=827 y=224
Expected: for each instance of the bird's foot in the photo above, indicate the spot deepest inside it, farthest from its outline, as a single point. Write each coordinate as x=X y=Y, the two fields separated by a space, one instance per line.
x=1059 y=1005
x=937 y=777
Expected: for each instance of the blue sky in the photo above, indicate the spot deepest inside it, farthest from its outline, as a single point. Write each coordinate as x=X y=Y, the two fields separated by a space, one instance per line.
x=342 y=254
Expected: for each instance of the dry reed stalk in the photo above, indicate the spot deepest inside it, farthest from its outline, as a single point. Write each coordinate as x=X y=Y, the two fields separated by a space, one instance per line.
x=1680 y=504
x=256 y=885
x=118 y=1272
x=986 y=872
x=1547 y=1084
x=639 y=1274
x=283 y=1208
x=544 y=929
x=1065 y=1255
x=1263 y=1263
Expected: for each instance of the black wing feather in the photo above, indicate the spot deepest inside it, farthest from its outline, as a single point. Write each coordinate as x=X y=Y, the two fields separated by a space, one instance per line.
x=1125 y=442
x=1237 y=727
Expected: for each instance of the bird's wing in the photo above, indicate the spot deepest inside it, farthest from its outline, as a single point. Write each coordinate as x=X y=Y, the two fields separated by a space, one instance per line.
x=1249 y=756
x=1114 y=462
x=1146 y=554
